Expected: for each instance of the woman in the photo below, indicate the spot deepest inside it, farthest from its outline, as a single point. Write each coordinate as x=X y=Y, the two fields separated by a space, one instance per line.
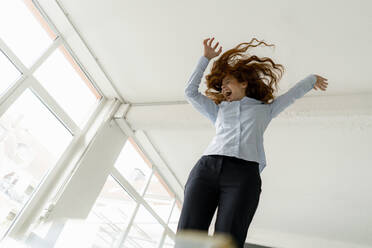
x=241 y=107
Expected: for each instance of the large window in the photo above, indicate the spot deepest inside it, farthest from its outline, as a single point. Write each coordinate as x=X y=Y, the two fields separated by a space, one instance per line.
x=28 y=148
x=24 y=30
x=46 y=98
x=134 y=168
x=157 y=203
x=68 y=85
x=121 y=216
x=112 y=211
x=145 y=231
x=109 y=217
x=159 y=197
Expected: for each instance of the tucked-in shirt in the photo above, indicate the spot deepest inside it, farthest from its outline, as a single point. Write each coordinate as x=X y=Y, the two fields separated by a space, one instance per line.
x=240 y=125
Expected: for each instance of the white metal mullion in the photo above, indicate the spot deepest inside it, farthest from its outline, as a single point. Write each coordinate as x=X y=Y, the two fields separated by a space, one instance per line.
x=126 y=185
x=56 y=43
x=147 y=184
x=11 y=97
x=12 y=57
x=52 y=104
x=162 y=238
x=18 y=63
x=136 y=196
x=67 y=46
x=132 y=192
x=173 y=204
x=169 y=232
x=173 y=192
x=150 y=209
x=121 y=239
x=106 y=109
x=139 y=198
x=25 y=73
x=8 y=97
x=125 y=127
x=166 y=229
x=167 y=166
x=17 y=88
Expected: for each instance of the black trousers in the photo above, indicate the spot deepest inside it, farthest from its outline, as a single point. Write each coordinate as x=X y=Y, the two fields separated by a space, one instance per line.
x=232 y=184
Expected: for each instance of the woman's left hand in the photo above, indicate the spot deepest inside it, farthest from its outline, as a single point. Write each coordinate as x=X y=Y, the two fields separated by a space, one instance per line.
x=320 y=83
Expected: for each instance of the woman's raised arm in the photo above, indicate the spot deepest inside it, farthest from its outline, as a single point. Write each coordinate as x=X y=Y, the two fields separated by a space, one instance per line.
x=297 y=91
x=200 y=102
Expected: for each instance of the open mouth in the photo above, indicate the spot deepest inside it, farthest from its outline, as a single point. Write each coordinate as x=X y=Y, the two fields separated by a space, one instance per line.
x=227 y=93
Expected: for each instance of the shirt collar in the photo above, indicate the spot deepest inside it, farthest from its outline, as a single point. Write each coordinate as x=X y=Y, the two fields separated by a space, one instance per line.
x=245 y=99
x=250 y=100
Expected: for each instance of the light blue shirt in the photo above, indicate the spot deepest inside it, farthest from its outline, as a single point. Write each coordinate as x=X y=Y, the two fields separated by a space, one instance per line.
x=240 y=125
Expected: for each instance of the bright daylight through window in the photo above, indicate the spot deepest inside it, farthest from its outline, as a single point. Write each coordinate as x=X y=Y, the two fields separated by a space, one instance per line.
x=32 y=136
x=47 y=100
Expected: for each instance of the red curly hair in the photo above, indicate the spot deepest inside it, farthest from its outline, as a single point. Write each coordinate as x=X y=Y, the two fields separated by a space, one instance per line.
x=251 y=69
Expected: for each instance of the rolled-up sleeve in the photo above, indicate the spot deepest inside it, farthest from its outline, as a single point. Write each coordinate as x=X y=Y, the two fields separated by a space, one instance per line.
x=200 y=102
x=297 y=91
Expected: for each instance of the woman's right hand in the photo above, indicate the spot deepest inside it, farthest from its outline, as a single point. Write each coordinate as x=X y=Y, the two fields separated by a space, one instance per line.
x=209 y=51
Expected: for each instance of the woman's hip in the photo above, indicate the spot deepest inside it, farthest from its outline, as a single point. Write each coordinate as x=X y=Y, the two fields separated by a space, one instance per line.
x=220 y=168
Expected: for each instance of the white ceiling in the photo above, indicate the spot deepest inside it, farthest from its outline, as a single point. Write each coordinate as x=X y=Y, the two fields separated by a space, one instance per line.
x=316 y=189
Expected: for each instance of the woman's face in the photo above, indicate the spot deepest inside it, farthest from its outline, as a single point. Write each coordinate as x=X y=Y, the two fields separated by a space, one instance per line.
x=232 y=89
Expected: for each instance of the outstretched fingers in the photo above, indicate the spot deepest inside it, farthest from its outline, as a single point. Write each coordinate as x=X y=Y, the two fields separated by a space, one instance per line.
x=210 y=42
x=320 y=83
x=205 y=42
x=209 y=51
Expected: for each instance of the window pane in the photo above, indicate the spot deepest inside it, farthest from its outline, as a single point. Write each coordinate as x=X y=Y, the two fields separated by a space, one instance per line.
x=105 y=224
x=133 y=167
x=168 y=242
x=23 y=29
x=66 y=83
x=175 y=216
x=145 y=231
x=31 y=141
x=112 y=210
x=159 y=197
x=9 y=73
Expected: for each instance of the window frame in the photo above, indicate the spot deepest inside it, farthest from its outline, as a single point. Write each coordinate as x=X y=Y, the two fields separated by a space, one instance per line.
x=26 y=80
